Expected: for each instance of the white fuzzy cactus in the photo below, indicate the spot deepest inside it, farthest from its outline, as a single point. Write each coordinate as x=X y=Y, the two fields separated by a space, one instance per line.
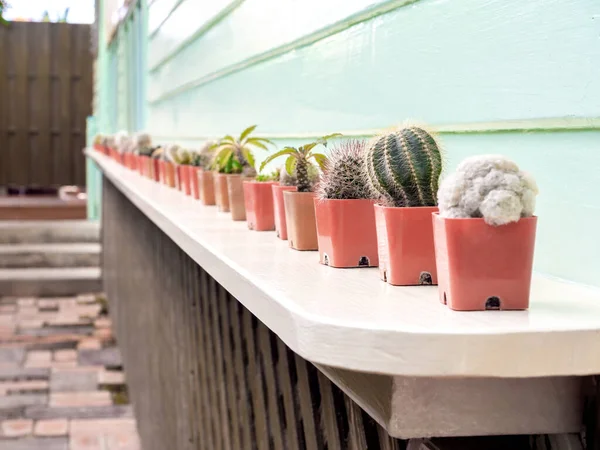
x=488 y=186
x=123 y=142
x=142 y=143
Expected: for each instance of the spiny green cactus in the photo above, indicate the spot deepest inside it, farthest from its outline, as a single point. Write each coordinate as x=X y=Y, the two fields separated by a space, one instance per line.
x=403 y=167
x=343 y=177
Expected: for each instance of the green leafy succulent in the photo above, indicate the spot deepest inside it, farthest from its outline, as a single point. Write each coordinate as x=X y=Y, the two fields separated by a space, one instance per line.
x=273 y=176
x=300 y=159
x=236 y=154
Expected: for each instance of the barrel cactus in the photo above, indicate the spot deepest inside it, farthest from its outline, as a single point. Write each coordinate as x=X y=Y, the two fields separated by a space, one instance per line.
x=343 y=176
x=488 y=186
x=403 y=167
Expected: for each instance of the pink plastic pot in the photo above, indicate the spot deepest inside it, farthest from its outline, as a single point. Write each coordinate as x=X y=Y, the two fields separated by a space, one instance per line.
x=405 y=244
x=193 y=177
x=279 y=209
x=206 y=184
x=300 y=220
x=258 y=197
x=221 y=193
x=346 y=233
x=484 y=267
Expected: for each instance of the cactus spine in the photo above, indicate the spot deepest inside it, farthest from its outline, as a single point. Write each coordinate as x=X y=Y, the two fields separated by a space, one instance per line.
x=403 y=168
x=343 y=177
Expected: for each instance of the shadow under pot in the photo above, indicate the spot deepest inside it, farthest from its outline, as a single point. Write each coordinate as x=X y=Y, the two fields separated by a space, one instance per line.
x=279 y=209
x=169 y=174
x=206 y=184
x=258 y=197
x=346 y=233
x=405 y=245
x=483 y=267
x=300 y=220
x=193 y=177
x=235 y=189
x=221 y=194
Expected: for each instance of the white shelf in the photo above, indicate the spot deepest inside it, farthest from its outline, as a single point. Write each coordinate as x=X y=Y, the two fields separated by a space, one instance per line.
x=350 y=319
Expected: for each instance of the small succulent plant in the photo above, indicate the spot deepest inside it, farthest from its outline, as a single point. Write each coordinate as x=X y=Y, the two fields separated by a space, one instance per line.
x=99 y=139
x=123 y=142
x=205 y=155
x=343 y=177
x=488 y=186
x=179 y=155
x=142 y=144
x=299 y=162
x=109 y=141
x=285 y=179
x=235 y=155
x=272 y=176
x=403 y=167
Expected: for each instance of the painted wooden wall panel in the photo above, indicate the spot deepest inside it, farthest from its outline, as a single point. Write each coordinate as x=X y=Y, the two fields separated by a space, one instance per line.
x=436 y=60
x=181 y=25
x=158 y=11
x=255 y=27
x=565 y=165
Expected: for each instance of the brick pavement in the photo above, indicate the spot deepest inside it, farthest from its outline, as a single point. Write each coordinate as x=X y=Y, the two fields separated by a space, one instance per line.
x=61 y=382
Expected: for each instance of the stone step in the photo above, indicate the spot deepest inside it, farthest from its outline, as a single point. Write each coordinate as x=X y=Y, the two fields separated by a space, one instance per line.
x=48 y=282
x=40 y=232
x=49 y=255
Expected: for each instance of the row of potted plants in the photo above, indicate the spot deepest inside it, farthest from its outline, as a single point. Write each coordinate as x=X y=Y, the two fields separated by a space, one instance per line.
x=370 y=204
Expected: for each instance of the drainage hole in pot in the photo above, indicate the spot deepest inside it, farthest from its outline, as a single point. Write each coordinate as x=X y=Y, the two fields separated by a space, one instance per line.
x=278 y=235
x=384 y=276
x=250 y=226
x=363 y=261
x=492 y=303
x=445 y=299
x=326 y=259
x=425 y=278
x=291 y=243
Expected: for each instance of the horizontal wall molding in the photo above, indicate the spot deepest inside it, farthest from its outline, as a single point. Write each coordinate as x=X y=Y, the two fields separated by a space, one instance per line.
x=202 y=30
x=526 y=126
x=169 y=14
x=337 y=27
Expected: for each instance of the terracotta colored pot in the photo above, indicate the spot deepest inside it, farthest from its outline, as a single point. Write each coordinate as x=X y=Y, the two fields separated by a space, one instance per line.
x=169 y=174
x=193 y=177
x=155 y=169
x=206 y=184
x=99 y=148
x=235 y=189
x=300 y=220
x=405 y=244
x=183 y=175
x=161 y=171
x=258 y=197
x=279 y=209
x=346 y=233
x=221 y=193
x=484 y=267
x=142 y=165
x=149 y=167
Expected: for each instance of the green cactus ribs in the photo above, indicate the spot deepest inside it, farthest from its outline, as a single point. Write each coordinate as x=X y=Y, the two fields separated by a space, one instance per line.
x=403 y=168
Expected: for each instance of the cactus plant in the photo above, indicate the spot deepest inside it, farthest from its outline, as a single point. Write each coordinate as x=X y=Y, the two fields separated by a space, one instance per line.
x=142 y=144
x=343 y=177
x=299 y=162
x=488 y=186
x=403 y=167
x=235 y=155
x=98 y=139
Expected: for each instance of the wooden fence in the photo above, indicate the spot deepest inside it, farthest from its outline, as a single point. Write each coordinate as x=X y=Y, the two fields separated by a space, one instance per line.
x=46 y=72
x=204 y=373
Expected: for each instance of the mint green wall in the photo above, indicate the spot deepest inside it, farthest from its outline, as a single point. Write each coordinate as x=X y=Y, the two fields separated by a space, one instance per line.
x=493 y=76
